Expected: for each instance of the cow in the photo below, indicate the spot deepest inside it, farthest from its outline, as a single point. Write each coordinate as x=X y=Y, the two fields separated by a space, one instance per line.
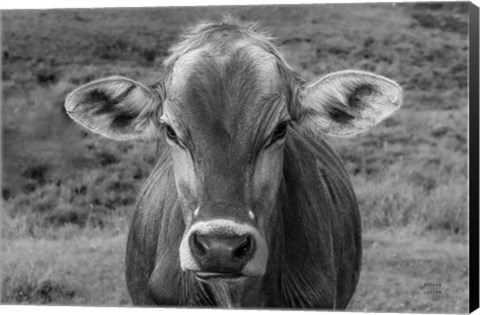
x=247 y=205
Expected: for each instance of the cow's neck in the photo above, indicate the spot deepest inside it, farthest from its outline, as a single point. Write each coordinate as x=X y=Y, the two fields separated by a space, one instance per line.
x=227 y=295
x=222 y=294
x=233 y=295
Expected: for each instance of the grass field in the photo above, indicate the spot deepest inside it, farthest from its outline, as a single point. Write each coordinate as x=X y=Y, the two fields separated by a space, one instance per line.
x=68 y=194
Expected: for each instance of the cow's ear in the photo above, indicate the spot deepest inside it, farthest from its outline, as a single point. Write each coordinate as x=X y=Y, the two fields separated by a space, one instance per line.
x=347 y=102
x=116 y=107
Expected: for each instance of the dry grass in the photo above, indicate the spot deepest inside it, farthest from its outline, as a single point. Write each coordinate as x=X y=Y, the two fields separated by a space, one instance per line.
x=78 y=270
x=402 y=272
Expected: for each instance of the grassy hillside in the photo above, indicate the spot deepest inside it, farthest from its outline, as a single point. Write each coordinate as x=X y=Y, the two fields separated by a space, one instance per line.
x=67 y=194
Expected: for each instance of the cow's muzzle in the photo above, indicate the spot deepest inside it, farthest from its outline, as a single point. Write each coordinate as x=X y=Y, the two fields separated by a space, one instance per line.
x=222 y=253
x=223 y=249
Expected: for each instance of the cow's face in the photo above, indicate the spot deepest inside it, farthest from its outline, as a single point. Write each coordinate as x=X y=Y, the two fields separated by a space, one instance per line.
x=226 y=120
x=225 y=112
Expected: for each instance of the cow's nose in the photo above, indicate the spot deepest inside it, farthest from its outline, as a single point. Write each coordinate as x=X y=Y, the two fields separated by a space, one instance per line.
x=222 y=253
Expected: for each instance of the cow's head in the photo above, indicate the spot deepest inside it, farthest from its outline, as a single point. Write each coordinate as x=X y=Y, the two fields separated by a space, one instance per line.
x=226 y=106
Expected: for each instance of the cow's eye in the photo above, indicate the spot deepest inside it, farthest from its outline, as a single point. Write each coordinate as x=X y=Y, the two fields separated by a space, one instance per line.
x=170 y=133
x=280 y=131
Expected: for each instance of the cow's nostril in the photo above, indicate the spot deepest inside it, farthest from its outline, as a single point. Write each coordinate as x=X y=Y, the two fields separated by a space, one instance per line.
x=244 y=248
x=222 y=253
x=198 y=245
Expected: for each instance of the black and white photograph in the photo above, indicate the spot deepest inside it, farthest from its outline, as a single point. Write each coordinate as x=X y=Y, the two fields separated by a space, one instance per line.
x=266 y=157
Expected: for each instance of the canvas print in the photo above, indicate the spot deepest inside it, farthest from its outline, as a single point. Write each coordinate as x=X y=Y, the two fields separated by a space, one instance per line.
x=266 y=157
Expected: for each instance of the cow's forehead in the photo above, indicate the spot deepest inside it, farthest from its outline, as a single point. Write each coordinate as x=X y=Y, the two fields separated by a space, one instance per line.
x=225 y=89
x=242 y=51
